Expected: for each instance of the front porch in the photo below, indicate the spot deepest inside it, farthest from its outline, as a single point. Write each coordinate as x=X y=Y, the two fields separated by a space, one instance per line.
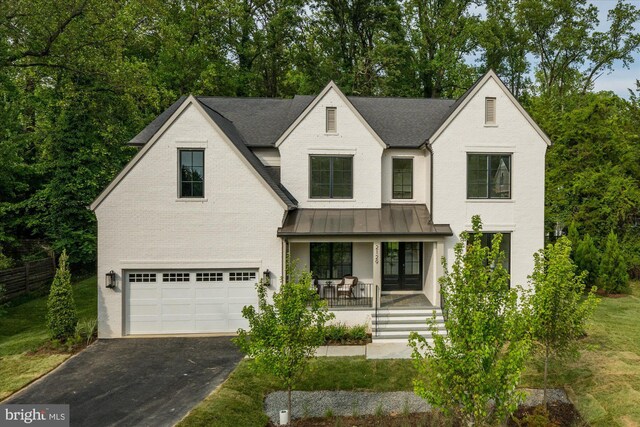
x=395 y=249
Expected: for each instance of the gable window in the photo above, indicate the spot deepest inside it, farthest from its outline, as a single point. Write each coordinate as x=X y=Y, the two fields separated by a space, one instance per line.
x=402 y=178
x=489 y=111
x=191 y=179
x=331 y=260
x=331 y=125
x=331 y=177
x=488 y=176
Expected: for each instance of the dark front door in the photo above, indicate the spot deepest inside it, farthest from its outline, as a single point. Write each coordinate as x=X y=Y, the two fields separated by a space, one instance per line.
x=401 y=266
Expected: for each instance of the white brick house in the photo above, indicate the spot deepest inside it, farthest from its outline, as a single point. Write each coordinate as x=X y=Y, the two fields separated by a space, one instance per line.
x=223 y=189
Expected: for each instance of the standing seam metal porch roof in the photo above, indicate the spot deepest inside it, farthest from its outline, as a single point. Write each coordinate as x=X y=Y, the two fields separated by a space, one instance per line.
x=390 y=219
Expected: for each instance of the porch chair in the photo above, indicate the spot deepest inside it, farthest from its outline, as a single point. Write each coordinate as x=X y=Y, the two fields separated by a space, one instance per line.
x=347 y=286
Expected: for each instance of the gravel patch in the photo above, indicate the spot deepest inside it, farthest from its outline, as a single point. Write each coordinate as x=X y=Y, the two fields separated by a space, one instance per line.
x=354 y=403
x=348 y=403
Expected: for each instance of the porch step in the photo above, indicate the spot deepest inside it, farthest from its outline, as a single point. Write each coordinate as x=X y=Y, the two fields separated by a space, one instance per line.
x=395 y=325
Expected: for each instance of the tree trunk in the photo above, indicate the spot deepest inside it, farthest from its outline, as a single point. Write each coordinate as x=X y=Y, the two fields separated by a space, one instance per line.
x=290 y=414
x=546 y=369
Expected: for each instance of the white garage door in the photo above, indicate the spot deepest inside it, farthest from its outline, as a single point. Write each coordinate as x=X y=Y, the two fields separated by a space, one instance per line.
x=187 y=301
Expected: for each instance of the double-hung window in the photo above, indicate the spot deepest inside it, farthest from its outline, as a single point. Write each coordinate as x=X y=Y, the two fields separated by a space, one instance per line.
x=191 y=178
x=488 y=176
x=331 y=260
x=402 y=178
x=331 y=177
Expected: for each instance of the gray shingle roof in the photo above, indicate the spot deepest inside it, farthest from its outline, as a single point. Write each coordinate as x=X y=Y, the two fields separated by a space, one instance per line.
x=260 y=121
x=400 y=122
x=232 y=133
x=403 y=122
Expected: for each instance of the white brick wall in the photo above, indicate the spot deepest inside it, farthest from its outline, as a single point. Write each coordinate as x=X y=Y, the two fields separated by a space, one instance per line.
x=523 y=214
x=141 y=224
x=352 y=138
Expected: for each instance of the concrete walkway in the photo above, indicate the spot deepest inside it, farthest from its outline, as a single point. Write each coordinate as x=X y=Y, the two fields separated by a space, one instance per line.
x=390 y=350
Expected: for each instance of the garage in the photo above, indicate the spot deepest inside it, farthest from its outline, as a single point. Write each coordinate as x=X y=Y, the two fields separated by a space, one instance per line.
x=187 y=301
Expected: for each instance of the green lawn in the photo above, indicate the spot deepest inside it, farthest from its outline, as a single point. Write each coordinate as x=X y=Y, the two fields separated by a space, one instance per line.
x=23 y=330
x=239 y=401
x=604 y=382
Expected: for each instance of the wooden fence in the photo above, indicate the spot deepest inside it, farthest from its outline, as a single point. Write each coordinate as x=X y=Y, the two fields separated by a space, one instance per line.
x=31 y=276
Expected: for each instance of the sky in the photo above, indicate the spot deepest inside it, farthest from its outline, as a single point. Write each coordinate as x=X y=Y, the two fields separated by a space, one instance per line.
x=621 y=79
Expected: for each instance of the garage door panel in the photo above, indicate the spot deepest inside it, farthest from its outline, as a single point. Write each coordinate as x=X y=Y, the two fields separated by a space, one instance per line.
x=212 y=309
x=183 y=301
x=218 y=292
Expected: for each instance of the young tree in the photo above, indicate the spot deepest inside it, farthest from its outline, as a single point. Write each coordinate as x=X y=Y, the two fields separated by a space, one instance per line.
x=283 y=335
x=62 y=316
x=614 y=277
x=574 y=236
x=556 y=309
x=587 y=258
x=474 y=369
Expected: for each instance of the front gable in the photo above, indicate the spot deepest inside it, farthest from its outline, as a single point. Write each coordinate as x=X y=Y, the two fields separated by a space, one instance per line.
x=173 y=132
x=469 y=110
x=308 y=137
x=314 y=115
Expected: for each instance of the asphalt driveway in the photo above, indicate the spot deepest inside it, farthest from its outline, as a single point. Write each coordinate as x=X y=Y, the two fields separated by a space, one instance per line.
x=140 y=381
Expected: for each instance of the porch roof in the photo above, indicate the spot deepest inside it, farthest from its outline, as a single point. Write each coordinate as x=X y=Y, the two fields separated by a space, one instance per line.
x=390 y=219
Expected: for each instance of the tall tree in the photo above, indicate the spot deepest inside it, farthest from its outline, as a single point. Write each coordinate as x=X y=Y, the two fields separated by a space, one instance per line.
x=442 y=33
x=571 y=53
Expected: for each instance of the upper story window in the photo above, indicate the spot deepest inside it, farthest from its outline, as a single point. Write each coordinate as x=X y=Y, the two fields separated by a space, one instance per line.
x=331 y=177
x=402 y=178
x=489 y=111
x=191 y=179
x=332 y=122
x=488 y=176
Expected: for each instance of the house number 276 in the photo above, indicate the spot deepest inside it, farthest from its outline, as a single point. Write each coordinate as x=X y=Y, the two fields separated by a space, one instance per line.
x=377 y=256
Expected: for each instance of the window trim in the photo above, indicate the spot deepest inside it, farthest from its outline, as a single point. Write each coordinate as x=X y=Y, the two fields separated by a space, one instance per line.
x=393 y=177
x=335 y=120
x=331 y=197
x=330 y=259
x=473 y=153
x=180 y=196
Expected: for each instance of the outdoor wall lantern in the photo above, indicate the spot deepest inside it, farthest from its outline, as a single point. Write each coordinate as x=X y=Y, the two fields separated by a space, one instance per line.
x=266 y=277
x=111 y=280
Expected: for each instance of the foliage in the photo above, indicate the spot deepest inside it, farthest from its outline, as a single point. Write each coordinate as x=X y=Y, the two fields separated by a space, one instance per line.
x=62 y=316
x=285 y=333
x=80 y=78
x=574 y=237
x=557 y=313
x=476 y=367
x=341 y=332
x=613 y=267
x=86 y=330
x=587 y=258
x=3 y=303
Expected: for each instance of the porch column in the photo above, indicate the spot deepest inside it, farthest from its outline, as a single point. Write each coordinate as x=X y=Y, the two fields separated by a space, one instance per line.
x=377 y=267
x=436 y=264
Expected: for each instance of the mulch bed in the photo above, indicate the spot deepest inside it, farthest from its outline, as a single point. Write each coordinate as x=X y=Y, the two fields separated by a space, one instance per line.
x=560 y=415
x=348 y=342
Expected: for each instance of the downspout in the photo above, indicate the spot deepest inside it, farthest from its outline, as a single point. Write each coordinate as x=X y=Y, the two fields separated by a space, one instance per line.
x=428 y=147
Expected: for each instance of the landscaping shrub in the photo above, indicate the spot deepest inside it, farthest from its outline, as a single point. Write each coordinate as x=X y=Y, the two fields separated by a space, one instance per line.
x=614 y=277
x=340 y=332
x=62 y=315
x=86 y=330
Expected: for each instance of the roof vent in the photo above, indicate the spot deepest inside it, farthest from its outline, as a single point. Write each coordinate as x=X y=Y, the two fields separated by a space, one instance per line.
x=489 y=111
